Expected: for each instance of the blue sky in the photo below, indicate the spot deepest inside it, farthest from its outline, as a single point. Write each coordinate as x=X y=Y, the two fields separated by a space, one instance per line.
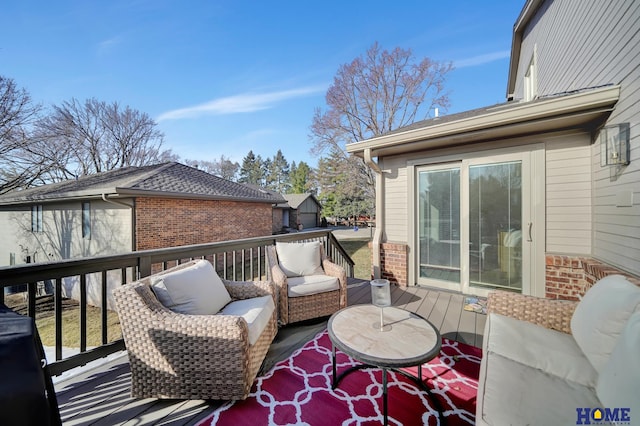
x=222 y=77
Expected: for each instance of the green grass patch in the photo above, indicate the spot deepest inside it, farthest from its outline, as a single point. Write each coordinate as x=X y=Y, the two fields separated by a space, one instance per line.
x=361 y=254
x=46 y=322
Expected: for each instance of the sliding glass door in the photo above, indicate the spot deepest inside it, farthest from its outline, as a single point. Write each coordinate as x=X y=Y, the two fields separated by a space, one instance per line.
x=439 y=224
x=470 y=216
x=495 y=225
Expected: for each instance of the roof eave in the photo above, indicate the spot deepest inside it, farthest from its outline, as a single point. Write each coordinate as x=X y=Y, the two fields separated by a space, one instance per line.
x=541 y=116
x=182 y=195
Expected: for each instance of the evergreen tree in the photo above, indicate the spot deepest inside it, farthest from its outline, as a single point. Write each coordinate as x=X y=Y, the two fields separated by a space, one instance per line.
x=300 y=178
x=340 y=194
x=251 y=171
x=278 y=173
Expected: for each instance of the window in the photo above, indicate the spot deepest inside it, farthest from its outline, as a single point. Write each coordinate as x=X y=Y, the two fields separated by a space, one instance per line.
x=36 y=218
x=531 y=79
x=86 y=220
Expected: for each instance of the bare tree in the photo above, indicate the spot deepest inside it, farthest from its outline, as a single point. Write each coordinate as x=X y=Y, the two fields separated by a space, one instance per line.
x=92 y=137
x=373 y=95
x=17 y=113
x=222 y=167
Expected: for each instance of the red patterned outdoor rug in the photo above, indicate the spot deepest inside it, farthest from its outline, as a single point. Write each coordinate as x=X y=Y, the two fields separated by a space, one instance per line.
x=297 y=391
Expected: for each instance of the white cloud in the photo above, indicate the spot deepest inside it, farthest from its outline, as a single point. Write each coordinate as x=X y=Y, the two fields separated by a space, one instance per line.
x=109 y=44
x=481 y=59
x=242 y=103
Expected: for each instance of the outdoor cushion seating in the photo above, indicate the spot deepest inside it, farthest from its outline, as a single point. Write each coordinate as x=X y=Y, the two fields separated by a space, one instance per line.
x=191 y=335
x=551 y=361
x=309 y=284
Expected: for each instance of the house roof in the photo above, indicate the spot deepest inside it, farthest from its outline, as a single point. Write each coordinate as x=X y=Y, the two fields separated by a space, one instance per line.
x=562 y=111
x=172 y=180
x=294 y=200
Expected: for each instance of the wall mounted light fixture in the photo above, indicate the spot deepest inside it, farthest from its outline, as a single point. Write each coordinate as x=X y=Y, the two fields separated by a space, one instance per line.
x=614 y=145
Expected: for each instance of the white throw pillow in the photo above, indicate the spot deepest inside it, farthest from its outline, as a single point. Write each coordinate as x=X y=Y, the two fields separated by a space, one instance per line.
x=195 y=290
x=601 y=316
x=298 y=259
x=619 y=382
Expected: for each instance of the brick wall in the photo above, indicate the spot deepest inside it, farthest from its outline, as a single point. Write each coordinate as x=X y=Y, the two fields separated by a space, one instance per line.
x=169 y=222
x=568 y=277
x=393 y=262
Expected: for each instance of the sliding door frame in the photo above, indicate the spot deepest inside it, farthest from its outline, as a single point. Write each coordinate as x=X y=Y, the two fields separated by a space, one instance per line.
x=533 y=169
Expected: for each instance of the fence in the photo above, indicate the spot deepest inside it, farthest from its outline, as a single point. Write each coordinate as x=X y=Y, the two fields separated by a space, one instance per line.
x=239 y=260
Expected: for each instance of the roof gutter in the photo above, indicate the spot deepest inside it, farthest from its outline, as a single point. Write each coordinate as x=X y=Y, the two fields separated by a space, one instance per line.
x=120 y=203
x=377 y=236
x=518 y=117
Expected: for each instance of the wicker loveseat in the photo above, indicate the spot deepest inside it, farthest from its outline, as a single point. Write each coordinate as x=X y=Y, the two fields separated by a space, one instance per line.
x=312 y=287
x=195 y=356
x=561 y=362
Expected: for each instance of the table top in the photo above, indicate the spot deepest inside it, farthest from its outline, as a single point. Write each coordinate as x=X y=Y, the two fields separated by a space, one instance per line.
x=411 y=341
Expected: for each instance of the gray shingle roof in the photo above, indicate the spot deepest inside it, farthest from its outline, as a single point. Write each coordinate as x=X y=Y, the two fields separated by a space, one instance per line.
x=168 y=180
x=294 y=200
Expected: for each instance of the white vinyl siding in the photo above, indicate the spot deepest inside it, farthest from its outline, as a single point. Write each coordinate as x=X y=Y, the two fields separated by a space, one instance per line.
x=61 y=236
x=396 y=201
x=580 y=44
x=568 y=174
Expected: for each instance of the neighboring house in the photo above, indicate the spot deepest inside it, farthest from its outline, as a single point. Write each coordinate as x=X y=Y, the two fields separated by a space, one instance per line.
x=304 y=209
x=129 y=209
x=514 y=196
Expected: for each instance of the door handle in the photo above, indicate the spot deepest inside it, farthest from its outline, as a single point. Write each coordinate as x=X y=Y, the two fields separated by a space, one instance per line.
x=530 y=239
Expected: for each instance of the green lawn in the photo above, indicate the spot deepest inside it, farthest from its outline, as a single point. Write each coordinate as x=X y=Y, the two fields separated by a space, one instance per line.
x=361 y=254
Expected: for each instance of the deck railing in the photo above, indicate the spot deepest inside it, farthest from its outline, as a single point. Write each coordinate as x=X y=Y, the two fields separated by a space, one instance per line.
x=239 y=260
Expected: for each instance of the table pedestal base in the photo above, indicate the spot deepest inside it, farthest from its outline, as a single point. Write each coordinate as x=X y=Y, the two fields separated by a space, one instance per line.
x=417 y=380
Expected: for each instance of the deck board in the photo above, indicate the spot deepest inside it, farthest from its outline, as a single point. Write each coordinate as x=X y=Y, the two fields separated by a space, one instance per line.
x=101 y=396
x=467 y=327
x=451 y=319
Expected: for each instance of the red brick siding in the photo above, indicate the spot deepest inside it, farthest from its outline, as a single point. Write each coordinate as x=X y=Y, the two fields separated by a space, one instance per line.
x=393 y=263
x=168 y=222
x=568 y=277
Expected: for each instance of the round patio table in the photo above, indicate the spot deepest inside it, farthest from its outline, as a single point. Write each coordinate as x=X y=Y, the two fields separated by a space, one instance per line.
x=411 y=341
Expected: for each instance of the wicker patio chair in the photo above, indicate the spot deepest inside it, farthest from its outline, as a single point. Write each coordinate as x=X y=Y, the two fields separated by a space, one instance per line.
x=304 y=307
x=182 y=356
x=548 y=313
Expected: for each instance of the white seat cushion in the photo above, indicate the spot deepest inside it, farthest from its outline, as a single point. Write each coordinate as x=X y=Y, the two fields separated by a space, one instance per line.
x=550 y=351
x=195 y=290
x=601 y=316
x=511 y=393
x=256 y=311
x=619 y=381
x=311 y=284
x=298 y=259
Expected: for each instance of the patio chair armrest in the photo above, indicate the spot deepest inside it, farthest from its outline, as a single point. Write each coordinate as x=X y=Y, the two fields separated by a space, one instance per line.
x=335 y=270
x=548 y=313
x=147 y=324
x=239 y=290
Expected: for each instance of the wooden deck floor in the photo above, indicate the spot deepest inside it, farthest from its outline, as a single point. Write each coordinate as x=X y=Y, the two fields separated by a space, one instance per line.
x=101 y=396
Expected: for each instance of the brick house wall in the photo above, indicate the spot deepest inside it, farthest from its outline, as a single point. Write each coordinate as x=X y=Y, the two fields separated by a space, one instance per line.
x=569 y=277
x=170 y=222
x=393 y=263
